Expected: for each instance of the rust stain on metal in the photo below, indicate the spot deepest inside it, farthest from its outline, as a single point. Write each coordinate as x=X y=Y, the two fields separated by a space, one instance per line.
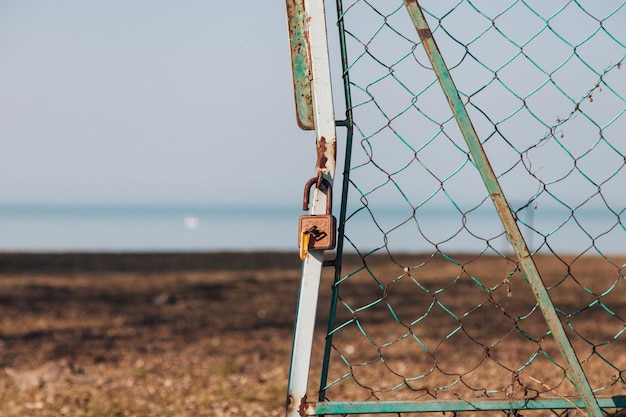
x=290 y=403
x=326 y=154
x=291 y=9
x=322 y=159
x=424 y=33
x=303 y=406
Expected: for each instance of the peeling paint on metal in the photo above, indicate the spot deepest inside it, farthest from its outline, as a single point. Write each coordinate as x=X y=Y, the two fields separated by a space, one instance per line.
x=303 y=406
x=326 y=155
x=322 y=158
x=424 y=33
x=300 y=63
x=289 y=404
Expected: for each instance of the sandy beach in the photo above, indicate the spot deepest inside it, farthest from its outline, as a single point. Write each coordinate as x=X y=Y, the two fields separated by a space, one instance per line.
x=205 y=334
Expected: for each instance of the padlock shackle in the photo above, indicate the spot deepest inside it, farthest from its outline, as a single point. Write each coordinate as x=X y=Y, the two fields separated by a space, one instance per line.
x=307 y=192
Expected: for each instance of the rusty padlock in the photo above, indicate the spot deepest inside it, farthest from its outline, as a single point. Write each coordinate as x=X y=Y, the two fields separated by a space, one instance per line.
x=317 y=231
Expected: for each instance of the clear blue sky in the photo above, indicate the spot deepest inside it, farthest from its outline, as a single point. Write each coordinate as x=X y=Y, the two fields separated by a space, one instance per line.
x=162 y=101
x=148 y=101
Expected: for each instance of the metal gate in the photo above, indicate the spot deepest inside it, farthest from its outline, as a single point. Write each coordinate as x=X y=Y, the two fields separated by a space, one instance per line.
x=480 y=262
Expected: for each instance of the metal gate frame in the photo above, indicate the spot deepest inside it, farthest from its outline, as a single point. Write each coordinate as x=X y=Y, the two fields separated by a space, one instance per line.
x=314 y=108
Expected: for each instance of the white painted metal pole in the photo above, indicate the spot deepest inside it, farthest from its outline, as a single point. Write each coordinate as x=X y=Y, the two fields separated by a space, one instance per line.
x=325 y=136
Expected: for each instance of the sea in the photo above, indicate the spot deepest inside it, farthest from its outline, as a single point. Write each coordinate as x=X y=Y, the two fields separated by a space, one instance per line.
x=177 y=228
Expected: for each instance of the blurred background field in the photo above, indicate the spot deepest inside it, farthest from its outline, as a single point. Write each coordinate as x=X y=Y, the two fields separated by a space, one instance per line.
x=203 y=334
x=137 y=335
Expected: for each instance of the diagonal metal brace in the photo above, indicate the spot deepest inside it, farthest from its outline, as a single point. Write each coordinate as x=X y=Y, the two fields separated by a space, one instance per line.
x=526 y=263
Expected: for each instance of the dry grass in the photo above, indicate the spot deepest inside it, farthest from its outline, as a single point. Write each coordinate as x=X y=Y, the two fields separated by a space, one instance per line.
x=137 y=336
x=210 y=334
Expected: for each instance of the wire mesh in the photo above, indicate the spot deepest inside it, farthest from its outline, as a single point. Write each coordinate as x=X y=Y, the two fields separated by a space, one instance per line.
x=430 y=304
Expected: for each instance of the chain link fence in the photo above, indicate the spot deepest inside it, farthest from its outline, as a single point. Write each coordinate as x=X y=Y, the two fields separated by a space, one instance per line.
x=430 y=304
